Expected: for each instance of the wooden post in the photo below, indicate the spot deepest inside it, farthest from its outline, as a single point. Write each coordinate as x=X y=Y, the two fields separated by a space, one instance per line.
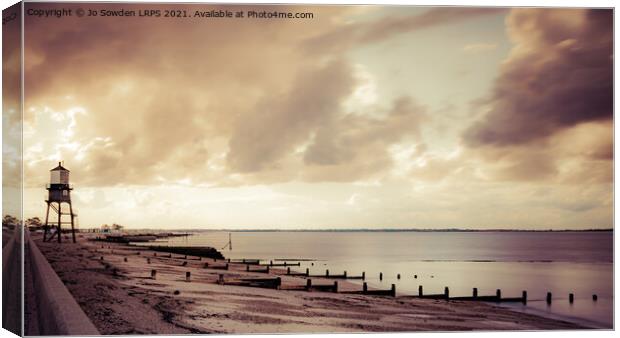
x=363 y=275
x=288 y=271
x=247 y=268
x=267 y=269
x=420 y=294
x=101 y=258
x=154 y=254
x=415 y=276
x=345 y=274
x=153 y=273
x=148 y=261
x=393 y=290
x=327 y=273
x=243 y=261
x=524 y=297
x=278 y=282
x=365 y=288
x=336 y=286
x=125 y=259
x=398 y=276
x=594 y=298
x=187 y=276
x=226 y=266
x=308 y=284
x=220 y=279
x=571 y=298
x=270 y=263
x=548 y=297
x=446 y=293
x=498 y=294
x=206 y=265
x=380 y=275
x=475 y=293
x=307 y=272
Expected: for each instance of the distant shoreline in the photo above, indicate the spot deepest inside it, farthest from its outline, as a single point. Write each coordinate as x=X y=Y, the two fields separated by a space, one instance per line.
x=373 y=230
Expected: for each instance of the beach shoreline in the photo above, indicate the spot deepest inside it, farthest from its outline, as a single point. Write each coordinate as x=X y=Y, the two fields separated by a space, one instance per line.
x=112 y=283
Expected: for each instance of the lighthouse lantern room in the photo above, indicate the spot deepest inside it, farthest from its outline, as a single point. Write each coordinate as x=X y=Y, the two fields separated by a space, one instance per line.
x=59 y=193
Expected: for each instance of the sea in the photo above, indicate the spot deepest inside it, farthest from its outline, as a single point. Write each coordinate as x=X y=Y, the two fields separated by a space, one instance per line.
x=560 y=262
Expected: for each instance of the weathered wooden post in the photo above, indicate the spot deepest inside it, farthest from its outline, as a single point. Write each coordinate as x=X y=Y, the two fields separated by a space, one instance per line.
x=226 y=266
x=571 y=298
x=475 y=293
x=420 y=294
x=278 y=282
x=398 y=276
x=345 y=274
x=138 y=253
x=125 y=259
x=308 y=284
x=307 y=272
x=498 y=295
x=594 y=298
x=446 y=293
x=288 y=271
x=148 y=261
x=524 y=297
x=393 y=290
x=548 y=297
x=206 y=265
x=270 y=263
x=184 y=264
x=415 y=276
x=247 y=268
x=154 y=254
x=267 y=269
x=101 y=258
x=363 y=275
x=336 y=286
x=380 y=275
x=220 y=279
x=365 y=288
x=187 y=276
x=153 y=273
x=327 y=273
x=185 y=257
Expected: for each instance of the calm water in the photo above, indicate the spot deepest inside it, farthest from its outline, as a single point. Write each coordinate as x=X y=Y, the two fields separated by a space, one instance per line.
x=561 y=263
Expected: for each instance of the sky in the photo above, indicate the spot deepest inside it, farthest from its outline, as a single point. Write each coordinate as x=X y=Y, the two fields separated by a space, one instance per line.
x=361 y=117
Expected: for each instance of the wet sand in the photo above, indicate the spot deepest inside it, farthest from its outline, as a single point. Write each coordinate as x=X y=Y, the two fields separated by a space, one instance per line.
x=121 y=298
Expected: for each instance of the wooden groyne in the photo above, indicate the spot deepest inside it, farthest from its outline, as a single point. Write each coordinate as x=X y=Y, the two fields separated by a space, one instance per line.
x=244 y=261
x=271 y=263
x=216 y=267
x=268 y=283
x=197 y=251
x=344 y=275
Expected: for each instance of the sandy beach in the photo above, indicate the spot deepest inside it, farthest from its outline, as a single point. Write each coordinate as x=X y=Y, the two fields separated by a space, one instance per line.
x=120 y=297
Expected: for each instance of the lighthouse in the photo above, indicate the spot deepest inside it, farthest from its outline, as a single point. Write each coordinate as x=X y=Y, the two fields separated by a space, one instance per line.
x=59 y=195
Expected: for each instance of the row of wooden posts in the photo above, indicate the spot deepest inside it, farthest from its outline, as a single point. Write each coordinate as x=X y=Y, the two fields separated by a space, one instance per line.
x=334 y=288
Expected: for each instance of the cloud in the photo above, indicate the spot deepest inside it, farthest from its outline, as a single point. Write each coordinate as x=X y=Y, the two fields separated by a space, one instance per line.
x=559 y=74
x=349 y=35
x=475 y=48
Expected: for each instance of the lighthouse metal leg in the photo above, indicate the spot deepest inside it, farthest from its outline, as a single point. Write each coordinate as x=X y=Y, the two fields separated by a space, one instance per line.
x=72 y=224
x=59 y=222
x=47 y=226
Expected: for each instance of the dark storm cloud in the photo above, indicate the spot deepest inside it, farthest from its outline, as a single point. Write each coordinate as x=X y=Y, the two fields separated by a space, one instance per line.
x=559 y=75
